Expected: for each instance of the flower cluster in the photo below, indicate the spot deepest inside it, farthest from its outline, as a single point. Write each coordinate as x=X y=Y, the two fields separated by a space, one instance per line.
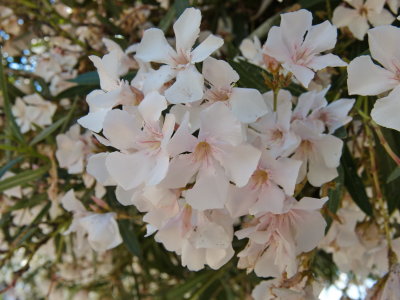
x=187 y=156
x=194 y=152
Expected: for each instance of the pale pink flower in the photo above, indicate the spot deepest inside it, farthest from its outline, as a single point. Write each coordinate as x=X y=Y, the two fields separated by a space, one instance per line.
x=246 y=104
x=200 y=237
x=101 y=229
x=143 y=155
x=154 y=47
x=217 y=156
x=319 y=152
x=297 y=45
x=274 y=129
x=367 y=78
x=267 y=188
x=33 y=109
x=361 y=14
x=113 y=90
x=276 y=239
x=73 y=148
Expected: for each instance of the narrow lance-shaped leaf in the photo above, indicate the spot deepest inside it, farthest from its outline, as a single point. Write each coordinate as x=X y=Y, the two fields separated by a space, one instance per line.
x=353 y=182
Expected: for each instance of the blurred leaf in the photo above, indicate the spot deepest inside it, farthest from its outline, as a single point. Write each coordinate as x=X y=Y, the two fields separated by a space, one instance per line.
x=7 y=104
x=9 y=165
x=47 y=131
x=335 y=195
x=89 y=78
x=26 y=233
x=22 y=178
x=386 y=166
x=250 y=75
x=28 y=202
x=195 y=281
x=180 y=6
x=167 y=20
x=353 y=182
x=79 y=90
x=394 y=175
x=129 y=237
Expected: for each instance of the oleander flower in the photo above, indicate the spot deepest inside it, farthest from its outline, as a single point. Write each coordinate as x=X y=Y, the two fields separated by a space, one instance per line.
x=180 y=62
x=366 y=78
x=101 y=229
x=361 y=15
x=218 y=155
x=297 y=45
x=246 y=104
x=276 y=239
x=33 y=110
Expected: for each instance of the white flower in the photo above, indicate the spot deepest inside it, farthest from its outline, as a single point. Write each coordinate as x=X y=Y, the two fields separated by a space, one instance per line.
x=216 y=157
x=357 y=19
x=72 y=149
x=142 y=141
x=113 y=91
x=267 y=188
x=367 y=78
x=188 y=86
x=101 y=229
x=199 y=237
x=319 y=152
x=33 y=109
x=274 y=129
x=276 y=239
x=297 y=45
x=246 y=104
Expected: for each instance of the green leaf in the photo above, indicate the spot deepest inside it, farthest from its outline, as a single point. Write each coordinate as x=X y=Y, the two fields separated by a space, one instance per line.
x=335 y=195
x=9 y=165
x=79 y=90
x=167 y=20
x=7 y=104
x=250 y=75
x=28 y=202
x=394 y=175
x=89 y=78
x=353 y=182
x=180 y=6
x=22 y=178
x=129 y=237
x=47 y=131
x=196 y=281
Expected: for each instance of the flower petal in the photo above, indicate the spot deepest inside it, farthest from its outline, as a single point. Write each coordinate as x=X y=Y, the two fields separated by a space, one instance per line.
x=210 y=190
x=365 y=78
x=247 y=104
x=187 y=29
x=155 y=48
x=321 y=37
x=383 y=44
x=218 y=122
x=294 y=26
x=188 y=87
x=121 y=129
x=152 y=106
x=386 y=110
x=97 y=168
x=181 y=170
x=240 y=162
x=219 y=73
x=206 y=48
x=129 y=170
